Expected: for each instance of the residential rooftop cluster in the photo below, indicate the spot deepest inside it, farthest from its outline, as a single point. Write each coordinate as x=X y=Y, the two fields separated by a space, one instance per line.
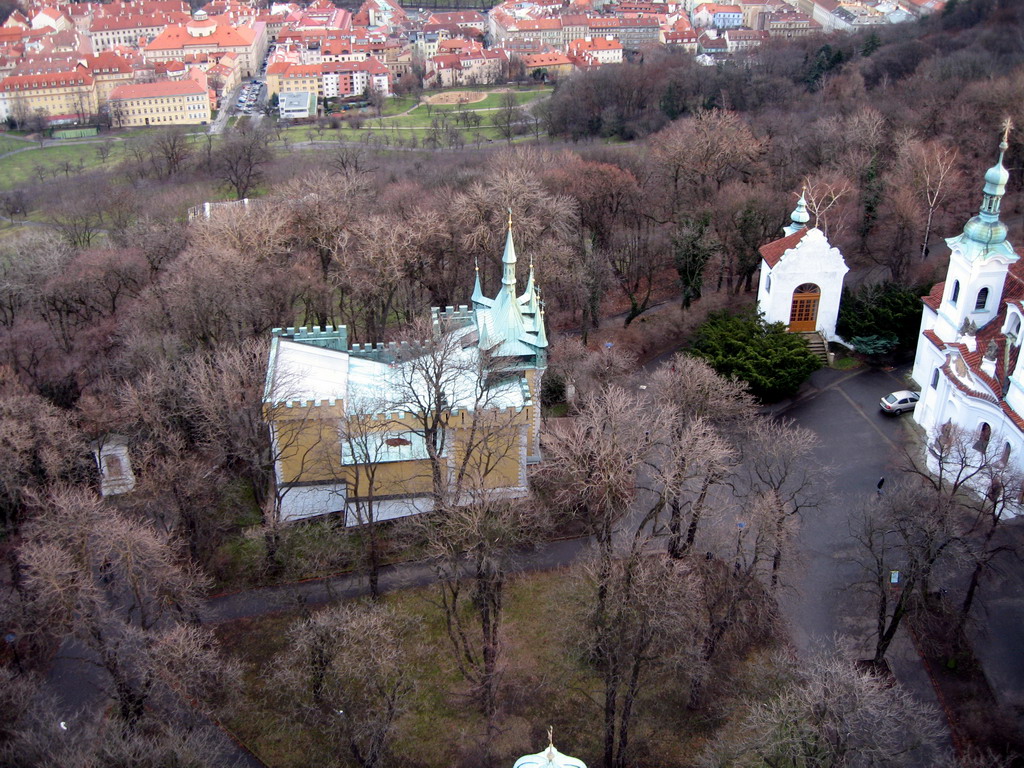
x=71 y=62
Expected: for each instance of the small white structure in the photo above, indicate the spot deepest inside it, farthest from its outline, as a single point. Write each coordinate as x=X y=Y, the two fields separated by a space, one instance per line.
x=297 y=106
x=801 y=279
x=549 y=758
x=114 y=465
x=968 y=360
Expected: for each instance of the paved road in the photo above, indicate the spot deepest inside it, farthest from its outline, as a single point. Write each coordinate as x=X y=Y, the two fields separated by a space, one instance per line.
x=267 y=600
x=861 y=444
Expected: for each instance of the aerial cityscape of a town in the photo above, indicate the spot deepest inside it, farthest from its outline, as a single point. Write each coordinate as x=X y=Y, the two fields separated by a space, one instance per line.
x=546 y=384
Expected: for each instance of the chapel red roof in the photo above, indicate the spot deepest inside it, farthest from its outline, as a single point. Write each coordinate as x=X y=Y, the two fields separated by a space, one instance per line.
x=773 y=251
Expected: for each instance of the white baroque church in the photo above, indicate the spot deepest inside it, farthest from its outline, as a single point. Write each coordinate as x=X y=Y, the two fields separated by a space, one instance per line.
x=968 y=355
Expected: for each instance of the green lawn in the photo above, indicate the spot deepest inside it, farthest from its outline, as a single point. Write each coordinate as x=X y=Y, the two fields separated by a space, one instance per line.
x=20 y=168
x=439 y=708
x=491 y=101
x=9 y=144
x=399 y=104
x=397 y=137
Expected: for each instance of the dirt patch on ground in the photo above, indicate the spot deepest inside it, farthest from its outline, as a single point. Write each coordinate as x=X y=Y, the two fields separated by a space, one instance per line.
x=454 y=97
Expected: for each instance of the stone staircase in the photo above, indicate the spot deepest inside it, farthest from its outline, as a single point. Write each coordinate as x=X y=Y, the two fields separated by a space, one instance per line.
x=816 y=343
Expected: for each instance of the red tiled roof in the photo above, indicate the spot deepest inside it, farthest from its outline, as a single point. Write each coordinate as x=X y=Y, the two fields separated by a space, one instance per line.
x=161 y=89
x=934 y=298
x=546 y=60
x=773 y=251
x=52 y=80
x=174 y=37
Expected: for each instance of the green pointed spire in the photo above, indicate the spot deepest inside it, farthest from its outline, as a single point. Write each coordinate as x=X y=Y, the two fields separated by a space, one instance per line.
x=986 y=229
x=508 y=277
x=799 y=217
x=478 y=293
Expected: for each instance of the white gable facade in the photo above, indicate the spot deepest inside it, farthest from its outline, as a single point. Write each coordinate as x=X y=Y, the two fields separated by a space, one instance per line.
x=801 y=280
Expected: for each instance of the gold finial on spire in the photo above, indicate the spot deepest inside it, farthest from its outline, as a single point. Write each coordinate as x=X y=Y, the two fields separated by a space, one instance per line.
x=551 y=736
x=1007 y=127
x=510 y=218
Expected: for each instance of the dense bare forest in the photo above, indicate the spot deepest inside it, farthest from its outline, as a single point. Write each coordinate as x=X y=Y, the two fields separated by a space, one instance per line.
x=656 y=183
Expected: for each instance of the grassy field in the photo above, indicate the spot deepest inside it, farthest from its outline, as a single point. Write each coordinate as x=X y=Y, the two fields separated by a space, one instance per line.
x=20 y=168
x=399 y=104
x=427 y=733
x=492 y=101
x=396 y=135
x=9 y=144
x=543 y=684
x=392 y=129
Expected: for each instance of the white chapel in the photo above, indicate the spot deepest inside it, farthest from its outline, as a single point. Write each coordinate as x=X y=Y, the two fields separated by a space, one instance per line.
x=967 y=360
x=801 y=279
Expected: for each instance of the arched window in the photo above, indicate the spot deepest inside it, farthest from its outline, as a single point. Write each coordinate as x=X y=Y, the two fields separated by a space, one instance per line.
x=1013 y=327
x=935 y=379
x=1004 y=458
x=956 y=293
x=768 y=284
x=979 y=305
x=984 y=435
x=944 y=439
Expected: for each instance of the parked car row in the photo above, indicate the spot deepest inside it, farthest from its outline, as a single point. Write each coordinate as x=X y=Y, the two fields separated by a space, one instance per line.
x=249 y=96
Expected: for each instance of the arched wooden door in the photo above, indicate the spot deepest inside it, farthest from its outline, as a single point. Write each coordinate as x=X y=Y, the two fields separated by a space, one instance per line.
x=803 y=315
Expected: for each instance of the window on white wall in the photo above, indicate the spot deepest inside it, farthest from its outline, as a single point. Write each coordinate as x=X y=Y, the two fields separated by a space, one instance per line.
x=1013 y=328
x=984 y=435
x=768 y=284
x=935 y=379
x=982 y=300
x=956 y=293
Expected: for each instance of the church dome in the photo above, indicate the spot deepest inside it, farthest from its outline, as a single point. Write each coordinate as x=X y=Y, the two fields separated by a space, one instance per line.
x=549 y=758
x=996 y=177
x=800 y=216
x=984 y=236
x=985 y=231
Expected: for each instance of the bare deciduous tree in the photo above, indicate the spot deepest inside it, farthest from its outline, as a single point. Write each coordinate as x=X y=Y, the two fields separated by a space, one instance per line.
x=116 y=585
x=241 y=159
x=473 y=547
x=780 y=480
x=929 y=169
x=698 y=154
x=346 y=670
x=831 y=713
x=640 y=622
x=39 y=445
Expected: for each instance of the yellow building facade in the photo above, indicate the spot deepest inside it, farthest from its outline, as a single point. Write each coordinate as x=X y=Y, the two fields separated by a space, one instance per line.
x=170 y=102
x=381 y=431
x=63 y=96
